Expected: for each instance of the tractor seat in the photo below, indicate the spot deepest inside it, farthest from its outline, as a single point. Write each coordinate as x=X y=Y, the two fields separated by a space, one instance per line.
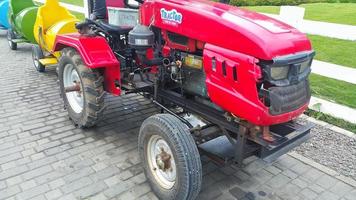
x=119 y=30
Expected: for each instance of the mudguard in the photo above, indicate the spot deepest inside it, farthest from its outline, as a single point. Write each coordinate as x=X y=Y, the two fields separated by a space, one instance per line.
x=95 y=53
x=4 y=9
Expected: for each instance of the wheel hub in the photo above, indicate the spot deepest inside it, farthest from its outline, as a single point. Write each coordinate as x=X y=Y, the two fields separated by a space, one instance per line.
x=161 y=162
x=73 y=88
x=164 y=161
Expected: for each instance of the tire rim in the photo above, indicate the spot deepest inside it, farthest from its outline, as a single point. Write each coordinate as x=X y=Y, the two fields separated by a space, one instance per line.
x=161 y=162
x=71 y=78
x=35 y=59
x=9 y=39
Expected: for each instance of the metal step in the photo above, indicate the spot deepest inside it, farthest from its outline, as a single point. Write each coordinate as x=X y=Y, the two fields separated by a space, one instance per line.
x=294 y=135
x=137 y=86
x=48 y=61
x=222 y=151
x=288 y=136
x=138 y=83
x=282 y=134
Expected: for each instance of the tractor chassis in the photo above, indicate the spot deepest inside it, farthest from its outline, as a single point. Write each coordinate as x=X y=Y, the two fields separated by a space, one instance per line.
x=226 y=139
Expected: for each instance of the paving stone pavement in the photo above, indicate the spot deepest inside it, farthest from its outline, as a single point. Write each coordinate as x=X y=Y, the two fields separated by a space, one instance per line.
x=43 y=156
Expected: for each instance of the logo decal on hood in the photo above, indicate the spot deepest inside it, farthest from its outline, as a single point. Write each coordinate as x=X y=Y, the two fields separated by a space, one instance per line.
x=172 y=16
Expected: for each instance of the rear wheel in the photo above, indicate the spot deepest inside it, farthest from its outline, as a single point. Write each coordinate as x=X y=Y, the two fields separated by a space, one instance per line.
x=170 y=158
x=81 y=89
x=10 y=37
x=37 y=54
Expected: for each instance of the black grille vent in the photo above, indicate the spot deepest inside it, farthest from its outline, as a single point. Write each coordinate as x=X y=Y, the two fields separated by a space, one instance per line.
x=288 y=98
x=178 y=39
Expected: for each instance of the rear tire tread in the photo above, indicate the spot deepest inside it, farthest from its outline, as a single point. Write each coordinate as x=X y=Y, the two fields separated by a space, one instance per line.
x=93 y=90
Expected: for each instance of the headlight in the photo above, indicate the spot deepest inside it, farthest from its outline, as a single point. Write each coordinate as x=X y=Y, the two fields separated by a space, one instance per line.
x=287 y=70
x=304 y=66
x=278 y=73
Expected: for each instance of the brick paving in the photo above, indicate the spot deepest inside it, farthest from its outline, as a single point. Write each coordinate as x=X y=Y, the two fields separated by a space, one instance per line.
x=43 y=156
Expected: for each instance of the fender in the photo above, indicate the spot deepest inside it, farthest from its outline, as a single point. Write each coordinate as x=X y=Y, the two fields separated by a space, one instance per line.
x=95 y=53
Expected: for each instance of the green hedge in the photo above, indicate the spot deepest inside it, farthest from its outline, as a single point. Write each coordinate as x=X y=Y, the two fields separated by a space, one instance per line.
x=283 y=2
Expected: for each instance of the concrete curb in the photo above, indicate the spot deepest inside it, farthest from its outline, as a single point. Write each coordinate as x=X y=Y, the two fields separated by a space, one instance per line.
x=333 y=109
x=330 y=126
x=324 y=169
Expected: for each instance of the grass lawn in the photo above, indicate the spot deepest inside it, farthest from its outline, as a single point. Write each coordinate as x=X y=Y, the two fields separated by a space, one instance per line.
x=334 y=90
x=332 y=120
x=79 y=15
x=341 y=52
x=341 y=13
x=264 y=9
x=74 y=2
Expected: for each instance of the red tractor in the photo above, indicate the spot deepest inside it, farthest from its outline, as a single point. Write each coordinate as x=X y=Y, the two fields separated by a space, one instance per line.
x=230 y=83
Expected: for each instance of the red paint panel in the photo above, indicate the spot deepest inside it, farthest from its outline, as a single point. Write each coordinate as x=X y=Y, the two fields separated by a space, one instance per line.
x=228 y=27
x=96 y=53
x=239 y=97
x=190 y=46
x=112 y=75
x=115 y=3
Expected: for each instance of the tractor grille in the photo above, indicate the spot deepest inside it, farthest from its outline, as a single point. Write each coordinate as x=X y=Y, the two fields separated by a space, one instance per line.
x=288 y=98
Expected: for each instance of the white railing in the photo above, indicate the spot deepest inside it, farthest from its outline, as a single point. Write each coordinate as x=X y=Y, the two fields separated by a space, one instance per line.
x=294 y=16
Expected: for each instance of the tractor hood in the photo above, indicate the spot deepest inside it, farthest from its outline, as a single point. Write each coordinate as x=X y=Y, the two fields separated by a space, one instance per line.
x=226 y=26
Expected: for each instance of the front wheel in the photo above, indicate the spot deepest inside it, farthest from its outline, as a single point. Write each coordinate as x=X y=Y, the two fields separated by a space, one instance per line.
x=170 y=158
x=37 y=55
x=10 y=37
x=81 y=89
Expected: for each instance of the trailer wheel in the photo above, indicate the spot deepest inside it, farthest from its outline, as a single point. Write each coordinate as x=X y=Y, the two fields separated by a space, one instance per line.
x=11 y=36
x=81 y=89
x=37 y=54
x=170 y=158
